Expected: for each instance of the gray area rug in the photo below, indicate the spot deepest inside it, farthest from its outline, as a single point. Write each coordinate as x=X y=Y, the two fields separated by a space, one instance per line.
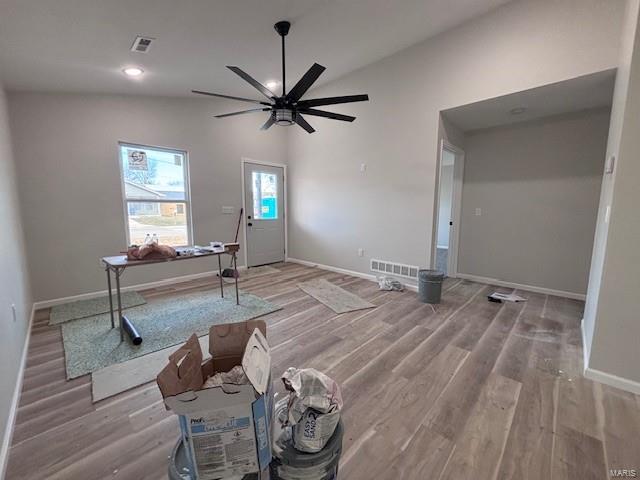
x=91 y=343
x=337 y=299
x=92 y=306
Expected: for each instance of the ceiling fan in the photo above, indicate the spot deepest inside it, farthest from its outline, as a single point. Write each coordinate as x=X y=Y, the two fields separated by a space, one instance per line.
x=288 y=108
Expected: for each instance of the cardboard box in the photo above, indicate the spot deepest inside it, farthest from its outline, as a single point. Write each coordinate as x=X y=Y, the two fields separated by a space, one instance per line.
x=225 y=429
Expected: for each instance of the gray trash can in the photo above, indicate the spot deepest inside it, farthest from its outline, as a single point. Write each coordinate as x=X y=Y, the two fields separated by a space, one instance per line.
x=430 y=285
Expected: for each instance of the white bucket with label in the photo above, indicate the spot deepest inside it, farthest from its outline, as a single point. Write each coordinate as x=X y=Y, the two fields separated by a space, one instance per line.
x=291 y=464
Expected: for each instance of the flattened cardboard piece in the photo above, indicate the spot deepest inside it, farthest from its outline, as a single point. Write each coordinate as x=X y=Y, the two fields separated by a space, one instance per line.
x=256 y=361
x=183 y=372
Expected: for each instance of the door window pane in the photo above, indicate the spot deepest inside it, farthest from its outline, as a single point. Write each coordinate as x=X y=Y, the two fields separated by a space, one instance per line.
x=265 y=195
x=166 y=220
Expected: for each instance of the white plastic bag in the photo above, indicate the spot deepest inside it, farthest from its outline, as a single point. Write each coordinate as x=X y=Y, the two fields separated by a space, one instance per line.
x=315 y=402
x=390 y=283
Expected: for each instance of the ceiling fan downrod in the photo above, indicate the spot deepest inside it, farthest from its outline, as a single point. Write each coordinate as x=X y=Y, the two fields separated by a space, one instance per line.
x=283 y=29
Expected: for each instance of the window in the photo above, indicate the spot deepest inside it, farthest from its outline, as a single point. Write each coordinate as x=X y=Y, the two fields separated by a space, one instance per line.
x=265 y=196
x=155 y=183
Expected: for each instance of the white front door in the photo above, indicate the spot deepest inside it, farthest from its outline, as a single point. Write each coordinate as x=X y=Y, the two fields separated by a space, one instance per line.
x=264 y=215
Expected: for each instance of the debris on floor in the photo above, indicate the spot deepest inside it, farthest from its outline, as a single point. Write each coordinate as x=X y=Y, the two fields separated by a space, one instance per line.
x=389 y=284
x=505 y=297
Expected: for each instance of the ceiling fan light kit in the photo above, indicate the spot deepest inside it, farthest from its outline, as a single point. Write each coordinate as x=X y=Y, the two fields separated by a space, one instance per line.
x=288 y=108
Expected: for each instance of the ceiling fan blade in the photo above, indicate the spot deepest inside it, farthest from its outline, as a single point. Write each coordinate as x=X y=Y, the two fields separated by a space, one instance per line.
x=316 y=102
x=253 y=110
x=248 y=78
x=304 y=124
x=305 y=82
x=268 y=123
x=331 y=115
x=199 y=92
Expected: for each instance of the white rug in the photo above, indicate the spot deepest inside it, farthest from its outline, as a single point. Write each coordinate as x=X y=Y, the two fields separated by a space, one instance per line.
x=120 y=377
x=337 y=299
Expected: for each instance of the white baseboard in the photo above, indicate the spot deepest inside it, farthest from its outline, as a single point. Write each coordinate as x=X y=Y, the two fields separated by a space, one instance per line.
x=519 y=286
x=141 y=286
x=612 y=380
x=603 y=377
x=366 y=276
x=13 y=411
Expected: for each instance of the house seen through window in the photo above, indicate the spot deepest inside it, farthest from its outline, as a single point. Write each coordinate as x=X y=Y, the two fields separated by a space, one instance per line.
x=156 y=194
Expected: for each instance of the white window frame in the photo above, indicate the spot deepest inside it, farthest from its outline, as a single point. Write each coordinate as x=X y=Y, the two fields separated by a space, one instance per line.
x=187 y=188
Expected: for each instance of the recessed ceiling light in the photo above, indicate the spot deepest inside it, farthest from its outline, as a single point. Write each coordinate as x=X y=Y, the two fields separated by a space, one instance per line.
x=271 y=84
x=517 y=111
x=133 y=71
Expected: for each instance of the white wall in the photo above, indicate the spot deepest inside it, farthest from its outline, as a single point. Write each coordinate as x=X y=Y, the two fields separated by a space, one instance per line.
x=14 y=281
x=66 y=150
x=613 y=147
x=612 y=315
x=538 y=185
x=335 y=209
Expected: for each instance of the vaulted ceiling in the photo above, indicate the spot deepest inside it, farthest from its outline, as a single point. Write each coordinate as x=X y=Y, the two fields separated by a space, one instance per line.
x=83 y=45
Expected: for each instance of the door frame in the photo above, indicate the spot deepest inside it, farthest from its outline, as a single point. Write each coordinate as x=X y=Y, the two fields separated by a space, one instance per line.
x=245 y=160
x=456 y=208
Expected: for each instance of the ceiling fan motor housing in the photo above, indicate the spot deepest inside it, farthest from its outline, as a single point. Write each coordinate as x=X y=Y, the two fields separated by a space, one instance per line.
x=284 y=116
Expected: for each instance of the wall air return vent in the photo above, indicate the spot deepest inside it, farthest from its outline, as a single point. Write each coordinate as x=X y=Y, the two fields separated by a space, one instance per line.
x=395 y=269
x=142 y=44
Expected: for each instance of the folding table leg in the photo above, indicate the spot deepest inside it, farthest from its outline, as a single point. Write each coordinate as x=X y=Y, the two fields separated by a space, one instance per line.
x=220 y=275
x=108 y=270
x=235 y=268
x=117 y=272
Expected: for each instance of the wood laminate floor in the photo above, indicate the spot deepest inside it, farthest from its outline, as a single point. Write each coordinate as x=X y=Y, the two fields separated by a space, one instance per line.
x=464 y=390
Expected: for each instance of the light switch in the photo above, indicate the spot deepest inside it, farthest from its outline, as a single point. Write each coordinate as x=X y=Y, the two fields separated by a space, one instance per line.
x=478 y=212
x=227 y=210
x=363 y=167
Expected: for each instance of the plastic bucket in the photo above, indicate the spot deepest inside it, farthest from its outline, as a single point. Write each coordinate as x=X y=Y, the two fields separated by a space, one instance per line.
x=291 y=464
x=430 y=285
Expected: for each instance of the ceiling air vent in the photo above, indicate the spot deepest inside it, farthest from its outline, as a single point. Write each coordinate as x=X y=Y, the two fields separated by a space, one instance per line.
x=396 y=269
x=142 y=44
